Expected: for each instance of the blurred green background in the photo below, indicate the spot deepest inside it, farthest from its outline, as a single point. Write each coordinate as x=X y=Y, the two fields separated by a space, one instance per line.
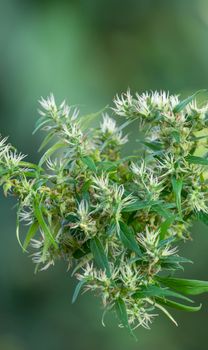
x=86 y=52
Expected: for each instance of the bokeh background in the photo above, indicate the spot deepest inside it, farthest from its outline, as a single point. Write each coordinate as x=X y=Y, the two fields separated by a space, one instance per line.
x=86 y=51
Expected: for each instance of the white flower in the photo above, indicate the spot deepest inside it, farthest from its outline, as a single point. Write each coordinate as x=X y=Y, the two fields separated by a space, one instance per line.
x=197 y=200
x=108 y=125
x=72 y=134
x=48 y=104
x=124 y=104
x=63 y=111
x=85 y=222
x=12 y=158
x=145 y=103
x=138 y=315
x=26 y=215
x=101 y=183
x=149 y=240
x=130 y=276
x=193 y=108
x=139 y=169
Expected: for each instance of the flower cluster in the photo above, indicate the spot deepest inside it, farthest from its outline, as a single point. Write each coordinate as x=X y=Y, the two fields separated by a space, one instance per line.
x=116 y=222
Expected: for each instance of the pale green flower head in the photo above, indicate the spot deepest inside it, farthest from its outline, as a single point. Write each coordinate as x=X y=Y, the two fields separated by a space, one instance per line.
x=116 y=220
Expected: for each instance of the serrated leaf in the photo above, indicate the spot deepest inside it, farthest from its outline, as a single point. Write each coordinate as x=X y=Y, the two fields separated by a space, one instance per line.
x=128 y=238
x=186 y=286
x=178 y=306
x=99 y=255
x=30 y=234
x=181 y=105
x=196 y=160
x=43 y=225
x=77 y=290
x=89 y=162
x=177 y=185
x=50 y=151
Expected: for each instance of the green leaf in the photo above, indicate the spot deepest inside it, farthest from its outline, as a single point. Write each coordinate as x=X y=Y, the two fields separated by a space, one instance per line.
x=177 y=185
x=128 y=238
x=30 y=234
x=155 y=146
x=77 y=290
x=99 y=255
x=186 y=286
x=107 y=165
x=178 y=306
x=41 y=122
x=122 y=314
x=89 y=162
x=138 y=205
x=50 y=151
x=155 y=291
x=165 y=226
x=30 y=165
x=181 y=105
x=46 y=140
x=88 y=119
x=202 y=217
x=43 y=225
x=162 y=210
x=176 y=136
x=196 y=160
x=176 y=259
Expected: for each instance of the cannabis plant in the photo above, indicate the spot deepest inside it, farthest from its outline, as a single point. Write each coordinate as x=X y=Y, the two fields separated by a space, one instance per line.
x=115 y=220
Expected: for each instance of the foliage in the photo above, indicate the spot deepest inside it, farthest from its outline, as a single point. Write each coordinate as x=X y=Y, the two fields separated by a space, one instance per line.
x=115 y=221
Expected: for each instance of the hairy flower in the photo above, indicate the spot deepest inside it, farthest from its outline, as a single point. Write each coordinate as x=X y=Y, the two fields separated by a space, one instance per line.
x=114 y=220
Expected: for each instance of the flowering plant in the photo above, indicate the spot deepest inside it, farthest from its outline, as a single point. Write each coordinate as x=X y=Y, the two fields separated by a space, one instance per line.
x=116 y=220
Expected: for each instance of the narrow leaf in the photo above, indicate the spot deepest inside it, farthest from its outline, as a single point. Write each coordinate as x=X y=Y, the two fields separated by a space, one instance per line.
x=181 y=105
x=177 y=185
x=161 y=210
x=165 y=226
x=40 y=123
x=128 y=238
x=177 y=306
x=186 y=286
x=50 y=151
x=138 y=205
x=99 y=255
x=43 y=225
x=122 y=314
x=77 y=290
x=89 y=162
x=155 y=291
x=196 y=160
x=30 y=234
x=202 y=217
x=155 y=146
x=88 y=119
x=46 y=140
